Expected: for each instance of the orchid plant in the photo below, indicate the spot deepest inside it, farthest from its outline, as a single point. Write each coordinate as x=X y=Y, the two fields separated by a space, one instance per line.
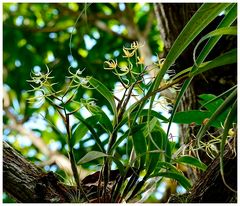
x=150 y=154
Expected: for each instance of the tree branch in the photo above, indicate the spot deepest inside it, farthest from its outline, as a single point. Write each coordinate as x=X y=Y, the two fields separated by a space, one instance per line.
x=149 y=24
x=28 y=183
x=102 y=26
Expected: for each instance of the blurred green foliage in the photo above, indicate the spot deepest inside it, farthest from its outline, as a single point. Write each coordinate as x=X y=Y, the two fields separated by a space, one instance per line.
x=38 y=34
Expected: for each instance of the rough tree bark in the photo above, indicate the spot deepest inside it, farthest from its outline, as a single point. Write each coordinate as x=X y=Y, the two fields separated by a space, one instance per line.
x=171 y=20
x=27 y=183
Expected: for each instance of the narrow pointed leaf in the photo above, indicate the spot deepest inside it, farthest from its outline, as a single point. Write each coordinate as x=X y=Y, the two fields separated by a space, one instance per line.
x=91 y=129
x=103 y=90
x=218 y=32
x=140 y=144
x=191 y=116
x=166 y=165
x=227 y=21
x=209 y=100
x=212 y=106
x=205 y=14
x=104 y=121
x=226 y=104
x=224 y=59
x=82 y=129
x=192 y=161
x=119 y=164
x=91 y=156
x=153 y=158
x=176 y=176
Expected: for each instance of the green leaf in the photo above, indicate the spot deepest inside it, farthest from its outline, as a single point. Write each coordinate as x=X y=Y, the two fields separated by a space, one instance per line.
x=150 y=126
x=213 y=105
x=140 y=144
x=218 y=32
x=130 y=113
x=104 y=121
x=82 y=129
x=92 y=155
x=152 y=113
x=195 y=116
x=105 y=92
x=227 y=21
x=161 y=142
x=164 y=143
x=91 y=129
x=198 y=116
x=132 y=109
x=210 y=98
x=125 y=135
x=166 y=165
x=182 y=73
x=226 y=104
x=192 y=161
x=176 y=176
x=119 y=140
x=229 y=57
x=153 y=158
x=119 y=165
x=205 y=14
x=136 y=189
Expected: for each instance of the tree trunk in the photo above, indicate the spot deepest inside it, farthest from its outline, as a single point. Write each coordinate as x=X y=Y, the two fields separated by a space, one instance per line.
x=171 y=20
x=27 y=183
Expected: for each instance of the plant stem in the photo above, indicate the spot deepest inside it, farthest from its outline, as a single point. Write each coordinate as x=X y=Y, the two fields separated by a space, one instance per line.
x=71 y=155
x=74 y=168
